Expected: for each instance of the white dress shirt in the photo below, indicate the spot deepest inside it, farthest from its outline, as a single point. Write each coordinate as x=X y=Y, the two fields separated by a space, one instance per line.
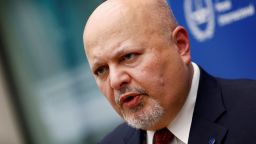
x=180 y=126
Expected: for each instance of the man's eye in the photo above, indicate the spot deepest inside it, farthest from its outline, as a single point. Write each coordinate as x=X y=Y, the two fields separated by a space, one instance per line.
x=128 y=56
x=101 y=71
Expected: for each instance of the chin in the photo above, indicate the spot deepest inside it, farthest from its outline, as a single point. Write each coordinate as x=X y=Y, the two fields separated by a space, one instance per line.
x=143 y=117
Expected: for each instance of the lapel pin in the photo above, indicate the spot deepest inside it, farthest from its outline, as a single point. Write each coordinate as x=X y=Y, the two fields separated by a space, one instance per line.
x=212 y=141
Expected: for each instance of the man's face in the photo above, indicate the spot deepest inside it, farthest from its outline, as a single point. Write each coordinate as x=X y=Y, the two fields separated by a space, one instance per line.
x=142 y=76
x=139 y=69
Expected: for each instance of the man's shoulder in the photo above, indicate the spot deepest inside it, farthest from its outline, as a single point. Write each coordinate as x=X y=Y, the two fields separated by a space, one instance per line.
x=235 y=88
x=238 y=93
x=118 y=134
x=226 y=107
x=234 y=83
x=238 y=87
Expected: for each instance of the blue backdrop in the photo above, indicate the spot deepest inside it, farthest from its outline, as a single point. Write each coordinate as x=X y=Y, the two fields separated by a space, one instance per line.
x=222 y=34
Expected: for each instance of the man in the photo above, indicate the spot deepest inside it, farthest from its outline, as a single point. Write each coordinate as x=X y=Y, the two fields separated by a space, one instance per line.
x=140 y=58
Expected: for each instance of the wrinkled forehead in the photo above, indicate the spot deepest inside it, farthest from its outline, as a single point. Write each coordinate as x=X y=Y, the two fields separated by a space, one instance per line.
x=119 y=20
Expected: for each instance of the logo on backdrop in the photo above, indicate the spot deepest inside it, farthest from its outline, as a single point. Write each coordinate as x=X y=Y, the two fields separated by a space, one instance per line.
x=203 y=15
x=200 y=18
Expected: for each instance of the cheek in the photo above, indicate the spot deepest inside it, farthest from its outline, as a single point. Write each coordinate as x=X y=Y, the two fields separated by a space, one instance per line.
x=108 y=93
x=155 y=77
x=151 y=75
x=154 y=70
x=105 y=90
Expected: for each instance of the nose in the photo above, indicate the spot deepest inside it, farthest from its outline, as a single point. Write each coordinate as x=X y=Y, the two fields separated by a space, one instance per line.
x=118 y=78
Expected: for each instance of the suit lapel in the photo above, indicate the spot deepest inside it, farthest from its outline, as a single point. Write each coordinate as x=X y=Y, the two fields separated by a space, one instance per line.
x=208 y=109
x=205 y=132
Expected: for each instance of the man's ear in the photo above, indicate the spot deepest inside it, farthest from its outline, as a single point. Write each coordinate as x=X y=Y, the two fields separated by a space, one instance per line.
x=180 y=37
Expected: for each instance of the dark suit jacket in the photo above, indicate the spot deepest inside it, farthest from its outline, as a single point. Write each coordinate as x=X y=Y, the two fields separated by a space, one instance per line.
x=225 y=113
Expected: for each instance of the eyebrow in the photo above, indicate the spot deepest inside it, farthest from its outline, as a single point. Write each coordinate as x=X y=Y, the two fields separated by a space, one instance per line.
x=118 y=52
x=114 y=55
x=123 y=49
x=96 y=64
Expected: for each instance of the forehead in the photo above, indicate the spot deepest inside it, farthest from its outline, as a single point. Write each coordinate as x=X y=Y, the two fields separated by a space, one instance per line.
x=110 y=30
x=118 y=35
x=115 y=18
x=113 y=47
x=115 y=41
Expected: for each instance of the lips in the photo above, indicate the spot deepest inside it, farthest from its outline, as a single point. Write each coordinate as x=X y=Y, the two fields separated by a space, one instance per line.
x=130 y=100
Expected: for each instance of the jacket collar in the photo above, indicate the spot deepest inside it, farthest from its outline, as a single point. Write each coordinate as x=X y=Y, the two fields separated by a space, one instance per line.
x=208 y=109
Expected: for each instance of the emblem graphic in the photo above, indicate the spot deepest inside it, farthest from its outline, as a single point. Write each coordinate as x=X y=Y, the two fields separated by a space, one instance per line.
x=200 y=18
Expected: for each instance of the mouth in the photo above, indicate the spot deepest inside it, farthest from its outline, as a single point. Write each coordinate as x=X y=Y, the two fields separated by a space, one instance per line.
x=130 y=100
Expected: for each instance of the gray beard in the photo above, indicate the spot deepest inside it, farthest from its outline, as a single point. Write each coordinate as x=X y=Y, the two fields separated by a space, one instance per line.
x=142 y=117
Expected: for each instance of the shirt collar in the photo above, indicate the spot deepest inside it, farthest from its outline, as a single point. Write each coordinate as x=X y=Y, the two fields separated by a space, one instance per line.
x=180 y=126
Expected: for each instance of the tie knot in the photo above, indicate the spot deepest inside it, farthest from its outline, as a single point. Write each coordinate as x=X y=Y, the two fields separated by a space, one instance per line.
x=162 y=136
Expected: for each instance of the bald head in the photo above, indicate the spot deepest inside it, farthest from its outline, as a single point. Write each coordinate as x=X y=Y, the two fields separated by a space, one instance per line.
x=136 y=50
x=115 y=16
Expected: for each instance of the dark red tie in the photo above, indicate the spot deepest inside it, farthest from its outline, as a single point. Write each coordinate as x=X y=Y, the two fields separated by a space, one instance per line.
x=162 y=136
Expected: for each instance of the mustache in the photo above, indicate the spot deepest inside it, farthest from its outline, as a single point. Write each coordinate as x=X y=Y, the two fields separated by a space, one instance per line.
x=127 y=89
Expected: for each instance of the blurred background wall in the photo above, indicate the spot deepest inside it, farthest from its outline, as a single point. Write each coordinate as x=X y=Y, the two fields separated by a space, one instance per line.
x=9 y=131
x=51 y=88
x=48 y=95
x=222 y=35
